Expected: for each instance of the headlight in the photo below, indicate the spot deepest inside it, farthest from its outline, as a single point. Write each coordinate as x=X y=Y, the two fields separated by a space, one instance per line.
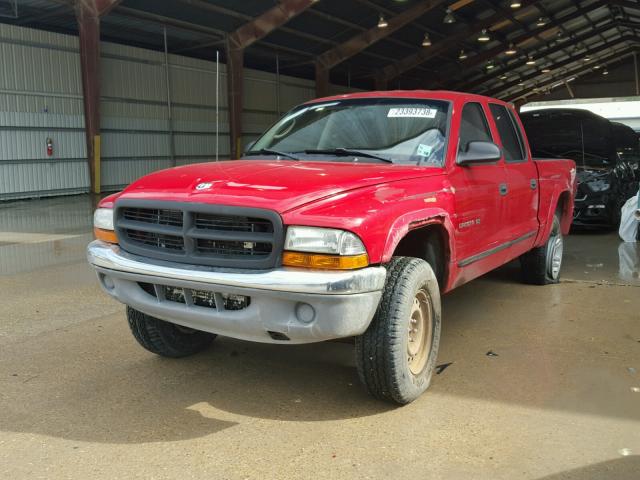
x=103 y=225
x=323 y=248
x=323 y=240
x=103 y=218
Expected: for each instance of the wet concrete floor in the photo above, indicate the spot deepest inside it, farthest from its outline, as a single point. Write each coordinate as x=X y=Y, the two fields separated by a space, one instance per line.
x=80 y=399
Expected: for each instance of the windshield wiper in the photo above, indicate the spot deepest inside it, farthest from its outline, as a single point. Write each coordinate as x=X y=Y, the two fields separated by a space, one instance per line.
x=269 y=151
x=346 y=152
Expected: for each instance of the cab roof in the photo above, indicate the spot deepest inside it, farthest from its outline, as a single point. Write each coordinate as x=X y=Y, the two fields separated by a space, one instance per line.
x=413 y=94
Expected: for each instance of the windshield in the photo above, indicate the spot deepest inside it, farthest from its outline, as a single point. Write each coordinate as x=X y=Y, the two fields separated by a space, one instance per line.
x=400 y=130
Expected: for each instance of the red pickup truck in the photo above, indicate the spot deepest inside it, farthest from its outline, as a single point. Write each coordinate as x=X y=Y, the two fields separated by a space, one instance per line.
x=348 y=218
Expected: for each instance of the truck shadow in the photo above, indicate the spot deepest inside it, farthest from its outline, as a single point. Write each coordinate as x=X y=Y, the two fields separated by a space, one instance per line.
x=118 y=393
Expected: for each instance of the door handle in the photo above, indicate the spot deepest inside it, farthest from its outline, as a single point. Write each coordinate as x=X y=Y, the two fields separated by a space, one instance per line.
x=503 y=189
x=533 y=183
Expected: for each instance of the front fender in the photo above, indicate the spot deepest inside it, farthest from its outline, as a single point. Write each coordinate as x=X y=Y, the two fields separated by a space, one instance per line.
x=418 y=219
x=380 y=215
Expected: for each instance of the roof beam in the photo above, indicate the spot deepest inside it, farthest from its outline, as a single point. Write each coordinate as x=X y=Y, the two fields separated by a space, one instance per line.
x=264 y=24
x=491 y=53
x=359 y=42
x=547 y=51
x=562 y=64
x=626 y=4
x=617 y=55
x=391 y=71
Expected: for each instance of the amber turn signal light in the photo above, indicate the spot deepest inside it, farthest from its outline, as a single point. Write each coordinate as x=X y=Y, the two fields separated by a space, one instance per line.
x=327 y=262
x=108 y=236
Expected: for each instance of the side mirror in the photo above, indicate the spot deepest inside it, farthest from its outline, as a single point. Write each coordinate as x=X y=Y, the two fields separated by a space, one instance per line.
x=480 y=152
x=249 y=146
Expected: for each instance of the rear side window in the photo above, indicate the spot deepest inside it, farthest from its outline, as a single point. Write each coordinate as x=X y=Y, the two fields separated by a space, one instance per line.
x=511 y=143
x=474 y=126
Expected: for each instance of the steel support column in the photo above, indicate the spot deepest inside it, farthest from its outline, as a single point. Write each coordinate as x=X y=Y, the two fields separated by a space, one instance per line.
x=236 y=43
x=322 y=81
x=235 y=68
x=635 y=72
x=89 y=32
x=88 y=13
x=380 y=82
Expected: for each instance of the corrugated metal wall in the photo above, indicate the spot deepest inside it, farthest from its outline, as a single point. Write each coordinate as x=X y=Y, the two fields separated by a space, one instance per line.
x=41 y=97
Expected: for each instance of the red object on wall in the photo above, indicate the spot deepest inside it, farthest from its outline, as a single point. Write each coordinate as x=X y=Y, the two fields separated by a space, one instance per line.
x=49 y=147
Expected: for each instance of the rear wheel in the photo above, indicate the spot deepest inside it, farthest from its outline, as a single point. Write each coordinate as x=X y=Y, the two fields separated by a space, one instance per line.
x=164 y=338
x=396 y=356
x=542 y=265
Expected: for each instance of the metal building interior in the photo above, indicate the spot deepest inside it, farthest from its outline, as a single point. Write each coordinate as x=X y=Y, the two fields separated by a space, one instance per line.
x=97 y=93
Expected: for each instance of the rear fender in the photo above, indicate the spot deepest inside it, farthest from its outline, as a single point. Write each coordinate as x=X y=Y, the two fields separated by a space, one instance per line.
x=559 y=196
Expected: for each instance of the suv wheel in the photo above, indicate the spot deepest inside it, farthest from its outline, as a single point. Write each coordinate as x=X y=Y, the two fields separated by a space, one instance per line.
x=396 y=356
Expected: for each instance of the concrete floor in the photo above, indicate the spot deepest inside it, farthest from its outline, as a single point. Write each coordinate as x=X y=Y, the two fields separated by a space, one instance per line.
x=80 y=399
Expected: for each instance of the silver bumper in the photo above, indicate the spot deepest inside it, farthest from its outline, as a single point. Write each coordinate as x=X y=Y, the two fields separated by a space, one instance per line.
x=299 y=305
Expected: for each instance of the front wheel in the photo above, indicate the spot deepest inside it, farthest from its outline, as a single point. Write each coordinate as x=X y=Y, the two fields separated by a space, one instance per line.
x=396 y=356
x=542 y=265
x=164 y=338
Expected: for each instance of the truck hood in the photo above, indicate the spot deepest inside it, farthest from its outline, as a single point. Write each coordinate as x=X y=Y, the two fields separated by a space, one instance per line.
x=276 y=185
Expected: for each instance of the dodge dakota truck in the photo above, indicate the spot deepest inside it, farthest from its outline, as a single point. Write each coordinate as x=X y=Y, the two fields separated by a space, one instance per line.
x=348 y=218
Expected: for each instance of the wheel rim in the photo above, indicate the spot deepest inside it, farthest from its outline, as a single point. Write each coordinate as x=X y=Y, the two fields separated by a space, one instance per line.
x=420 y=332
x=554 y=254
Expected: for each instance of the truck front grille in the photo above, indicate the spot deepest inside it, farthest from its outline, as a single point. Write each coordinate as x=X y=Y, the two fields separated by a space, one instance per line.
x=200 y=234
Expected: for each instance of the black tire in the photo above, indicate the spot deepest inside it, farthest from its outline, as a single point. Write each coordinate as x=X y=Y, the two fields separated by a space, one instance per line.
x=164 y=338
x=382 y=352
x=538 y=267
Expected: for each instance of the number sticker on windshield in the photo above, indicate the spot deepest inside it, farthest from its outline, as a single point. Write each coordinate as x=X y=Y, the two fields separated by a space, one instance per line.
x=412 y=112
x=424 y=150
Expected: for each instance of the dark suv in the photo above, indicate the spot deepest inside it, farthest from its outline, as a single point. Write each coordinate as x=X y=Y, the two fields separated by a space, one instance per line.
x=605 y=178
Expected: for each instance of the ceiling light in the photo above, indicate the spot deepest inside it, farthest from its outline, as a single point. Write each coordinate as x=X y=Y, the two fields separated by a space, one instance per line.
x=503 y=77
x=484 y=36
x=511 y=50
x=541 y=22
x=426 y=41
x=382 y=23
x=521 y=84
x=597 y=67
x=449 y=17
x=605 y=72
x=586 y=59
x=515 y=4
x=531 y=61
x=546 y=70
x=462 y=55
x=490 y=66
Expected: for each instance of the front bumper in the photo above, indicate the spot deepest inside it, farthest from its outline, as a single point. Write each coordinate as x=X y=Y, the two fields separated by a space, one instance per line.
x=286 y=304
x=593 y=211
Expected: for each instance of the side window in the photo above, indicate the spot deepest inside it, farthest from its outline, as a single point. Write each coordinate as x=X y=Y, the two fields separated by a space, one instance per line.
x=473 y=126
x=518 y=128
x=510 y=142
